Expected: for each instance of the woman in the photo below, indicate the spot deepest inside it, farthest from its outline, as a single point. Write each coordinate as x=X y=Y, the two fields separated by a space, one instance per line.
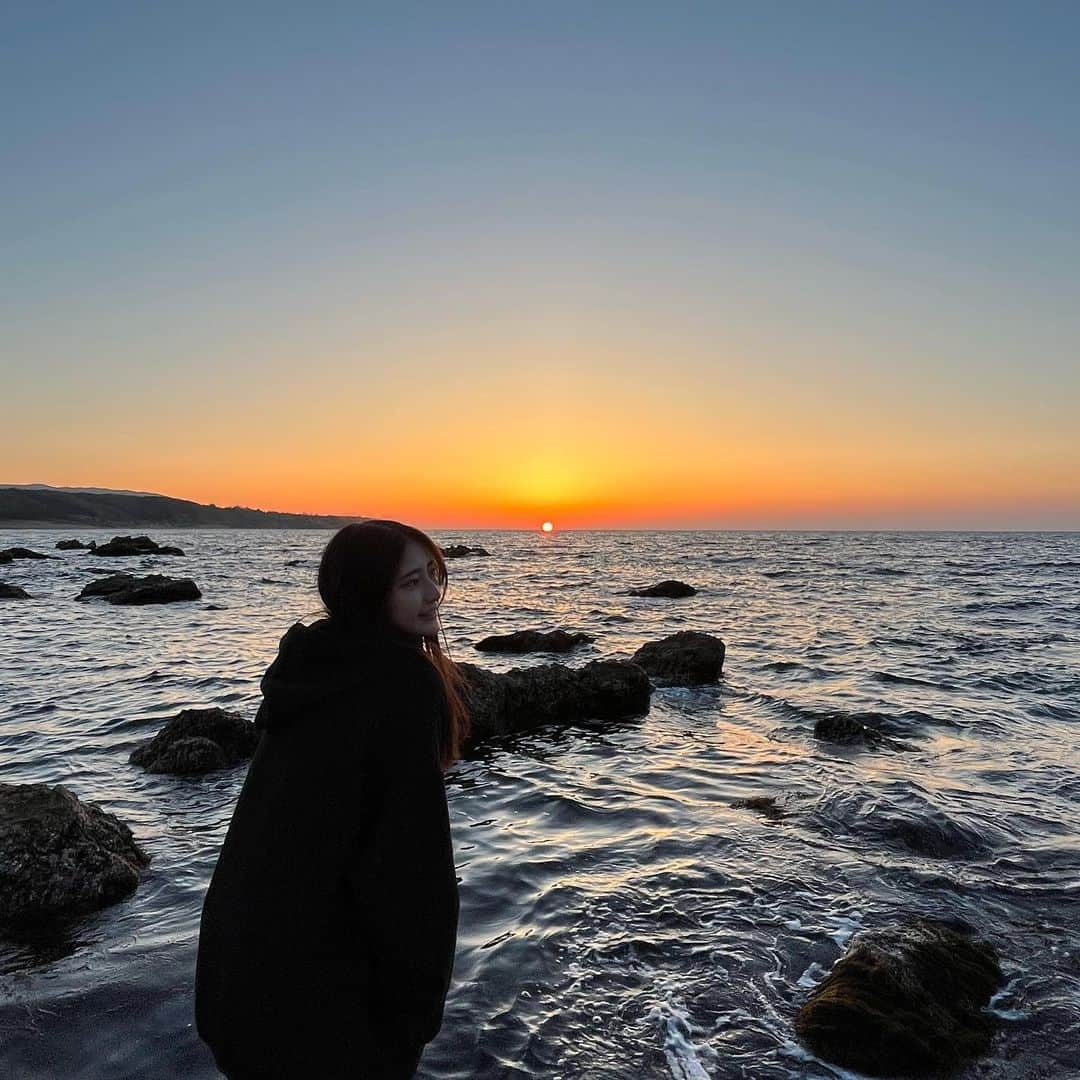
x=328 y=931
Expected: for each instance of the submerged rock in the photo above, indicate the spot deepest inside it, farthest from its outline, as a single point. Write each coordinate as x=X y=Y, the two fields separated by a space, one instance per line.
x=904 y=1001
x=671 y=590
x=21 y=553
x=59 y=855
x=133 y=545
x=688 y=658
x=198 y=741
x=761 y=804
x=153 y=589
x=459 y=551
x=849 y=730
x=12 y=592
x=72 y=545
x=525 y=698
x=526 y=641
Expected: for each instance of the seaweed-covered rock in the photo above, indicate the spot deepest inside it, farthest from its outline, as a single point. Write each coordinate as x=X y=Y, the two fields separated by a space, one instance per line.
x=460 y=551
x=904 y=1001
x=71 y=545
x=688 y=658
x=849 y=729
x=134 y=545
x=527 y=641
x=153 y=589
x=525 y=698
x=669 y=590
x=198 y=741
x=12 y=592
x=59 y=855
x=21 y=553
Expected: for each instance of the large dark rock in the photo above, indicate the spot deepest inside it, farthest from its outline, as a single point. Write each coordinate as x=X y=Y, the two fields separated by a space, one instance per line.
x=460 y=551
x=59 y=855
x=671 y=590
x=526 y=641
x=525 y=698
x=198 y=741
x=904 y=1001
x=688 y=658
x=71 y=545
x=134 y=545
x=849 y=729
x=21 y=553
x=12 y=592
x=128 y=589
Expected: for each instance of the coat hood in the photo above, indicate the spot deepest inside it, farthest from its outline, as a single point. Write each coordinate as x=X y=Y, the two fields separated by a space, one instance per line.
x=319 y=662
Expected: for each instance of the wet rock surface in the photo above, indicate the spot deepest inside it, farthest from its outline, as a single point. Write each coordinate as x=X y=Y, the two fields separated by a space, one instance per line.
x=765 y=805
x=848 y=729
x=59 y=855
x=12 y=592
x=71 y=545
x=670 y=590
x=133 y=545
x=8 y=554
x=526 y=698
x=527 y=641
x=688 y=658
x=460 y=551
x=905 y=1001
x=197 y=741
x=153 y=589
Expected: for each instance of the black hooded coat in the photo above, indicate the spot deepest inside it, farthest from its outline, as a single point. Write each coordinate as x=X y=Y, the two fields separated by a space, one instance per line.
x=328 y=931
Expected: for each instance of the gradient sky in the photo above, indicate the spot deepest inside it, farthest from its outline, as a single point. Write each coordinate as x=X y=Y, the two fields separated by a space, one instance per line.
x=608 y=264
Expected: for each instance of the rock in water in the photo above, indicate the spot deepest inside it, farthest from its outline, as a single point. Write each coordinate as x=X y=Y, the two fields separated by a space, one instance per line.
x=12 y=592
x=71 y=545
x=904 y=1001
x=198 y=741
x=21 y=553
x=688 y=658
x=134 y=545
x=670 y=590
x=525 y=698
x=761 y=804
x=526 y=641
x=59 y=855
x=153 y=589
x=849 y=730
x=460 y=551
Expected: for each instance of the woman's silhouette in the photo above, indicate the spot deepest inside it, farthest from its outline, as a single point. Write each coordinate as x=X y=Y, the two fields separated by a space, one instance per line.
x=328 y=931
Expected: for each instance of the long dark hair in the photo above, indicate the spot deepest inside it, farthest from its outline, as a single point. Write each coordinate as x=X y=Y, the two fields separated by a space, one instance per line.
x=356 y=575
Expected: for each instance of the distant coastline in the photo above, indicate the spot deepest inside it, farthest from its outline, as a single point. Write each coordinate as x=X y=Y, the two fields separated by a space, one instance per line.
x=32 y=508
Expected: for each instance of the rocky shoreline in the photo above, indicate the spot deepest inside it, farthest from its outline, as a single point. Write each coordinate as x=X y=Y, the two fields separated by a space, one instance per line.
x=907 y=999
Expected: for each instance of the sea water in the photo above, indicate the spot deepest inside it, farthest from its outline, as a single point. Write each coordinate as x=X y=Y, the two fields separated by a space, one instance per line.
x=620 y=917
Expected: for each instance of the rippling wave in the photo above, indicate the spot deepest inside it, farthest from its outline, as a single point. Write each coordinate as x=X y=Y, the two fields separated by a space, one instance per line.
x=624 y=912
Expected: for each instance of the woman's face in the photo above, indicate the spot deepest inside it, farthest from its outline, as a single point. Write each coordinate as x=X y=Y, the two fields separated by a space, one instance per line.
x=414 y=597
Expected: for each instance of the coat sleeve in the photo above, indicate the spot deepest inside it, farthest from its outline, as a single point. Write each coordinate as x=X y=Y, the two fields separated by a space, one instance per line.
x=410 y=876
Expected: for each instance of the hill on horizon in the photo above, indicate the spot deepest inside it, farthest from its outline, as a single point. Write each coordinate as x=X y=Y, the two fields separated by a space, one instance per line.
x=29 y=505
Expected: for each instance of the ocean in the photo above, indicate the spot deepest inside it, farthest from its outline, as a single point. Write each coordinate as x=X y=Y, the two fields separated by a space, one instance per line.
x=620 y=917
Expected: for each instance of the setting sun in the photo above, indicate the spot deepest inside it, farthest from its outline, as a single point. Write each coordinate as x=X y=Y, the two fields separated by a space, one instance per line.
x=547 y=526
